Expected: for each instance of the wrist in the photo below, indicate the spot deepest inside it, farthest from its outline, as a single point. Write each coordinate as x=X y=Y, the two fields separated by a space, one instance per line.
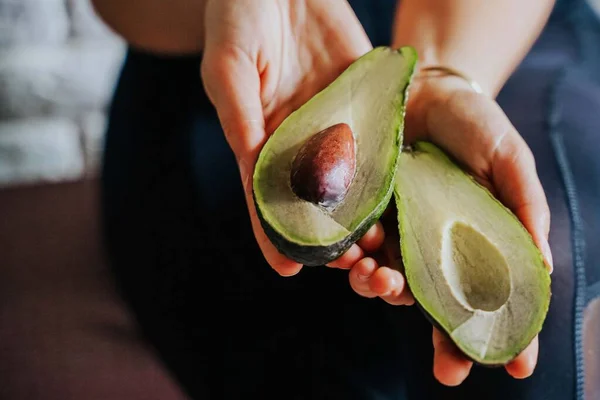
x=471 y=35
x=428 y=92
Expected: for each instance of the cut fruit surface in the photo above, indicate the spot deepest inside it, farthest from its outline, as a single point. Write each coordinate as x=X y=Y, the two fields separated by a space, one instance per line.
x=320 y=224
x=469 y=262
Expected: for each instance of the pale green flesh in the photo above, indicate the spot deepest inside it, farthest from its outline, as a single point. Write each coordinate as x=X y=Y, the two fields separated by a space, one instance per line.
x=468 y=261
x=369 y=97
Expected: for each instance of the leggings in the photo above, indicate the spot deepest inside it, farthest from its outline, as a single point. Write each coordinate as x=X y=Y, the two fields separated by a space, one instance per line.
x=228 y=327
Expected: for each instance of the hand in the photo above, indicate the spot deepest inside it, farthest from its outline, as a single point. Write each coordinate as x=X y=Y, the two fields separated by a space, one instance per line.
x=262 y=60
x=473 y=129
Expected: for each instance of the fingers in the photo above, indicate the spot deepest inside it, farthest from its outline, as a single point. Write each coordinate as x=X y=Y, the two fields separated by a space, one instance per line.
x=475 y=130
x=233 y=85
x=523 y=366
x=519 y=188
x=450 y=368
x=370 y=242
x=370 y=280
x=360 y=274
x=390 y=285
x=373 y=239
x=348 y=259
x=367 y=278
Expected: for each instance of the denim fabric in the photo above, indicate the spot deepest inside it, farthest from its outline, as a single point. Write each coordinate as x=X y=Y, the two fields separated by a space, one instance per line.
x=227 y=326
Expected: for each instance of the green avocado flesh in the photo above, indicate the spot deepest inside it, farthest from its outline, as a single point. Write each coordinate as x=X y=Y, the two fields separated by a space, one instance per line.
x=370 y=97
x=470 y=264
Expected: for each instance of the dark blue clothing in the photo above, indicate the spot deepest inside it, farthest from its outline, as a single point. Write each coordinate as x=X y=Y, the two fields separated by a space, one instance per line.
x=228 y=327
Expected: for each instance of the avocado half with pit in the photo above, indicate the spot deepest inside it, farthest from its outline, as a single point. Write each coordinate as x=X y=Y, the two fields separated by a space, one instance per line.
x=472 y=267
x=327 y=173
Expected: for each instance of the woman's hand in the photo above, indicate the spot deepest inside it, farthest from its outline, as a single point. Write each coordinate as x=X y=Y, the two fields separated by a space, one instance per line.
x=264 y=59
x=472 y=128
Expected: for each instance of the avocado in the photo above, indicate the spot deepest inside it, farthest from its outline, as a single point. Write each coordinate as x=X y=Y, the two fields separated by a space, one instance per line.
x=326 y=174
x=472 y=267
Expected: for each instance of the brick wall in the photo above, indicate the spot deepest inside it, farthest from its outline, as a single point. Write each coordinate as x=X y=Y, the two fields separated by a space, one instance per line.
x=58 y=66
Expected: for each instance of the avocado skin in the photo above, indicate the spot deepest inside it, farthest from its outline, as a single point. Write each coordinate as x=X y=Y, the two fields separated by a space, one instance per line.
x=313 y=256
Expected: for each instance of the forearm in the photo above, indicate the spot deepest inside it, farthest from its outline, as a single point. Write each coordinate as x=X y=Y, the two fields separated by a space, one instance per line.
x=174 y=26
x=484 y=39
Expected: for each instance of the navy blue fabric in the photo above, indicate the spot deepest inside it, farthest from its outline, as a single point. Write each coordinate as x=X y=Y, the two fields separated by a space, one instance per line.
x=227 y=326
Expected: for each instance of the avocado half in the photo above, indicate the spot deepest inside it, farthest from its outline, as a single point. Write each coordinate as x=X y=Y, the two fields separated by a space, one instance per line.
x=369 y=97
x=472 y=267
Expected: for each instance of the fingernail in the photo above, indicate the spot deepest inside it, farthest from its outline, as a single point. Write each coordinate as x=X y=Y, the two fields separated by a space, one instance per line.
x=548 y=256
x=531 y=362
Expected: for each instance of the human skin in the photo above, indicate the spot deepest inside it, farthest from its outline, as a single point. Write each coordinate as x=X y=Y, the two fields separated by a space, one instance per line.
x=262 y=60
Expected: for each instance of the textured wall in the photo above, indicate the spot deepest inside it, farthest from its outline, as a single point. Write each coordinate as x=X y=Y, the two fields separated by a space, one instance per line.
x=58 y=66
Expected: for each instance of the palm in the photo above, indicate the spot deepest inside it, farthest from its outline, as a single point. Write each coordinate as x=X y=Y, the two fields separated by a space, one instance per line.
x=303 y=46
x=302 y=60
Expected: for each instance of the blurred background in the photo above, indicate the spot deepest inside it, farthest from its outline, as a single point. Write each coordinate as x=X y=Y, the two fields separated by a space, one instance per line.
x=58 y=66
x=64 y=332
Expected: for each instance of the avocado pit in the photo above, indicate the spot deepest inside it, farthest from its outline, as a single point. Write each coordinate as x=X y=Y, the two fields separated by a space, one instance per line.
x=324 y=166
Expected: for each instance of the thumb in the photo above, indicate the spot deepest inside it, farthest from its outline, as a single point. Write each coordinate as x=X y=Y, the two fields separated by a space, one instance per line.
x=232 y=83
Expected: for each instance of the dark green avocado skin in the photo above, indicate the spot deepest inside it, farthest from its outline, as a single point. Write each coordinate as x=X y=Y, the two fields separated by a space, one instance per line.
x=313 y=256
